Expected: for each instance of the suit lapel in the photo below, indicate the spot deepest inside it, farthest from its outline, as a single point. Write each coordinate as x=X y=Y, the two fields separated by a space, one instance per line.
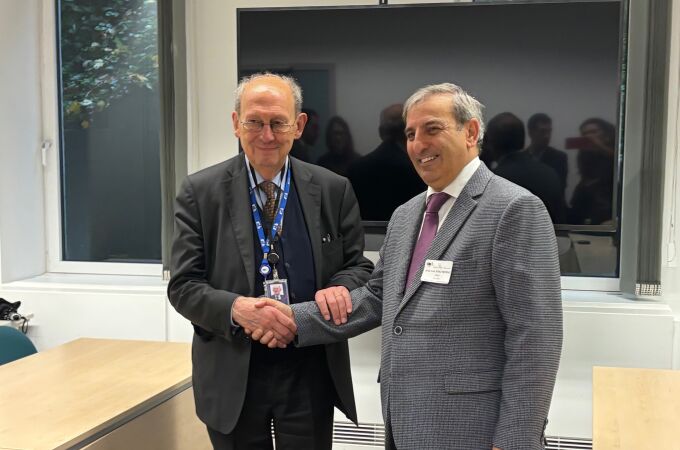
x=309 y=193
x=458 y=215
x=238 y=204
x=407 y=241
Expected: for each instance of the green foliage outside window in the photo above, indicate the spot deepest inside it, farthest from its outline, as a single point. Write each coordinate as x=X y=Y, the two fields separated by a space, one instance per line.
x=108 y=47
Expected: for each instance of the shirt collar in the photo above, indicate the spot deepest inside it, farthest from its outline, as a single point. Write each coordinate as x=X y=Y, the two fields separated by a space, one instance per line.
x=259 y=179
x=456 y=186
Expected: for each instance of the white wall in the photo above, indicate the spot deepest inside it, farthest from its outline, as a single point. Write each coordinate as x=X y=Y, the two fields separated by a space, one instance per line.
x=671 y=262
x=670 y=271
x=600 y=329
x=21 y=200
x=68 y=310
x=604 y=330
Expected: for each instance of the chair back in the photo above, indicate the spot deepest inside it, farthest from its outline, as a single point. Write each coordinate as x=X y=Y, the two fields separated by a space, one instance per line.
x=14 y=345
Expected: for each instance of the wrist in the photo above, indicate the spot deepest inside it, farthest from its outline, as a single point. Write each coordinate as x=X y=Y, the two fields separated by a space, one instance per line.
x=236 y=310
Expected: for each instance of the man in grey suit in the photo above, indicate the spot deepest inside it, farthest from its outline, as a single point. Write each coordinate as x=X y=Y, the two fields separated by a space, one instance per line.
x=309 y=220
x=467 y=289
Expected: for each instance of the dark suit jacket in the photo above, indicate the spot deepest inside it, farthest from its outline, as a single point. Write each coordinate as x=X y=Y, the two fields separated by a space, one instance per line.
x=383 y=180
x=537 y=177
x=212 y=264
x=556 y=159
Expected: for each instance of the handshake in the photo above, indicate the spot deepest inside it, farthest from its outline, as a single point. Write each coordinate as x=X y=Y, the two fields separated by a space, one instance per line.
x=272 y=323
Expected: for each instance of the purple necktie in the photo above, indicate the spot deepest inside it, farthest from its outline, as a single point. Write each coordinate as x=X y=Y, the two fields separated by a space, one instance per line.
x=429 y=230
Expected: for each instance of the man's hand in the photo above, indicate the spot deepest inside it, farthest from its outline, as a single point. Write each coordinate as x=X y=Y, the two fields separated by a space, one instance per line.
x=264 y=320
x=335 y=301
x=267 y=337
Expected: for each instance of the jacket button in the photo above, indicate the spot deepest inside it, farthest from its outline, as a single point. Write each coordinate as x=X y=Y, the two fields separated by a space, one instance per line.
x=398 y=330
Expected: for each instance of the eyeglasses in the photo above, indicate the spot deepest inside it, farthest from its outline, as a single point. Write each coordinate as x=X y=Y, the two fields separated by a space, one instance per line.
x=258 y=125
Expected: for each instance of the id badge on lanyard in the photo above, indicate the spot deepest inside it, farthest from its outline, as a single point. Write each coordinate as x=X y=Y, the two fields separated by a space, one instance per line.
x=276 y=287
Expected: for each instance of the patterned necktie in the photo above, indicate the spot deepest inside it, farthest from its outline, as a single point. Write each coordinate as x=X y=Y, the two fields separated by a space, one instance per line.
x=270 y=189
x=429 y=230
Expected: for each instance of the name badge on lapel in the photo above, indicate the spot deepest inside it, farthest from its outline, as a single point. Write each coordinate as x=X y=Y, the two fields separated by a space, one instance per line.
x=437 y=271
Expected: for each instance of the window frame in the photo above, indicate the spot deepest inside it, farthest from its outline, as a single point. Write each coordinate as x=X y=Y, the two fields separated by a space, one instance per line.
x=51 y=151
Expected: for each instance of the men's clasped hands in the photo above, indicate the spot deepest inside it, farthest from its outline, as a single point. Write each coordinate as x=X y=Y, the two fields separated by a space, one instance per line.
x=272 y=323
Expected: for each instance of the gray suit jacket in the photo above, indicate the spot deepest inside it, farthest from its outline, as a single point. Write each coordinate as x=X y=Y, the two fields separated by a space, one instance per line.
x=471 y=363
x=213 y=263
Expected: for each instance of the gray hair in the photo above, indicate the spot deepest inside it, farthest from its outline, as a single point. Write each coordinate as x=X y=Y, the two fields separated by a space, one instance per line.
x=465 y=106
x=290 y=81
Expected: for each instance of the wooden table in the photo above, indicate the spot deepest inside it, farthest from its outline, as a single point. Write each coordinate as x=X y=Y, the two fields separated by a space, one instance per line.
x=100 y=394
x=636 y=409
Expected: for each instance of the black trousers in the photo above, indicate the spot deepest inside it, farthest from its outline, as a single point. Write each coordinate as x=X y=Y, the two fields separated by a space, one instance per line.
x=290 y=389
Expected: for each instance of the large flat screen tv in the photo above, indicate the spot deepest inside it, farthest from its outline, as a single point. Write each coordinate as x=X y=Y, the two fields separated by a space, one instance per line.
x=551 y=75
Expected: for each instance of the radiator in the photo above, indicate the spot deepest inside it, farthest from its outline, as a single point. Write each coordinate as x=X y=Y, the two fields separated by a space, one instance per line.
x=372 y=435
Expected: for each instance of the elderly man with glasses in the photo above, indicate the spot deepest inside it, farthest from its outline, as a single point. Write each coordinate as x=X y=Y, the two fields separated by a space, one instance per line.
x=265 y=224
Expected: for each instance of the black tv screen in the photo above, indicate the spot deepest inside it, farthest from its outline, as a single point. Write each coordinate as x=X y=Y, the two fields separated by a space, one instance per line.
x=556 y=67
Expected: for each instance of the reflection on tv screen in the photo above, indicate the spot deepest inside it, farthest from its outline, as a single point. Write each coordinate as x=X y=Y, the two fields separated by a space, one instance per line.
x=548 y=74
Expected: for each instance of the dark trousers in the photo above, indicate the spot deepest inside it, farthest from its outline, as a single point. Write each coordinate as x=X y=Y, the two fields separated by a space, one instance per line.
x=389 y=437
x=389 y=440
x=292 y=390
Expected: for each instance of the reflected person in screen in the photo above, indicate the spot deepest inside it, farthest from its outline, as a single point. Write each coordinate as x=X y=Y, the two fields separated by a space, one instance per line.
x=540 y=130
x=241 y=388
x=385 y=178
x=467 y=289
x=591 y=202
x=340 y=145
x=505 y=138
x=303 y=148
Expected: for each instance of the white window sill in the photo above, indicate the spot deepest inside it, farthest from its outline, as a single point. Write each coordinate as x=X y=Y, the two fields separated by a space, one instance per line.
x=612 y=302
x=61 y=282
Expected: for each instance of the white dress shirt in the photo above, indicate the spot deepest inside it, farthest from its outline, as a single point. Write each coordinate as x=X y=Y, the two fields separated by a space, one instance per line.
x=262 y=197
x=453 y=189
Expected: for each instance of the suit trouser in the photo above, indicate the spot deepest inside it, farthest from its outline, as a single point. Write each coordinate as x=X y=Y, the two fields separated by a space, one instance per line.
x=294 y=391
x=389 y=437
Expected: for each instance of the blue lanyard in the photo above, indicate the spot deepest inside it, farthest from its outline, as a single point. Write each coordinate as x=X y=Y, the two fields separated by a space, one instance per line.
x=265 y=269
